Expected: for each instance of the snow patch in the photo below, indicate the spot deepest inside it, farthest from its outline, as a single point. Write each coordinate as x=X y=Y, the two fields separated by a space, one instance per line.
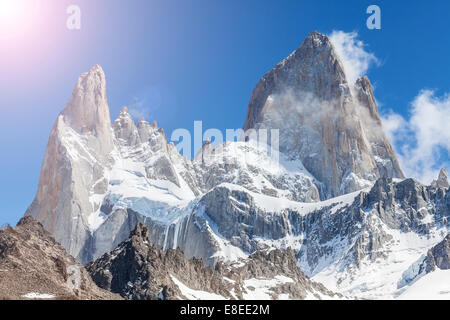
x=192 y=294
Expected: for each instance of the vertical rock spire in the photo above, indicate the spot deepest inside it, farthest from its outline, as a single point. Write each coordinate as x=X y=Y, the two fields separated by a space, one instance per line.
x=308 y=98
x=125 y=129
x=77 y=154
x=442 y=180
x=87 y=110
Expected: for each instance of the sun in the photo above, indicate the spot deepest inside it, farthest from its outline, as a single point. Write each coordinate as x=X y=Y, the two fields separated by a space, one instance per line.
x=14 y=16
x=10 y=11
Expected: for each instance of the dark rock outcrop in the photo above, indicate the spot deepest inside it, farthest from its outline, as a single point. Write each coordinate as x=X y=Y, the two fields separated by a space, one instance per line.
x=137 y=269
x=439 y=256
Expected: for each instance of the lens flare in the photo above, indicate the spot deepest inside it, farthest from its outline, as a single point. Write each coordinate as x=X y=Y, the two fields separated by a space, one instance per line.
x=15 y=17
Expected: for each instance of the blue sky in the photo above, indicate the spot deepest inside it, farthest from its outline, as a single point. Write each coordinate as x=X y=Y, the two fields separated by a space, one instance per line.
x=180 y=61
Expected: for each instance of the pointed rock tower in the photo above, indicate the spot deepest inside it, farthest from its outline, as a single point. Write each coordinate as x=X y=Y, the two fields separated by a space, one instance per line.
x=332 y=126
x=72 y=173
x=442 y=180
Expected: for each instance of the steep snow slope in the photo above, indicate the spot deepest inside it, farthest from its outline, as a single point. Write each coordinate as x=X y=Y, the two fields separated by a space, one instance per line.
x=433 y=286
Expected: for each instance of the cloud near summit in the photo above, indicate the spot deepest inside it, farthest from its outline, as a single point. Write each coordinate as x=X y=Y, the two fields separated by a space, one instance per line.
x=353 y=55
x=421 y=138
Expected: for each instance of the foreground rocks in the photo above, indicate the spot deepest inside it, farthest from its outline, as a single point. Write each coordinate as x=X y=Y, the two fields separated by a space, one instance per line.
x=137 y=269
x=34 y=266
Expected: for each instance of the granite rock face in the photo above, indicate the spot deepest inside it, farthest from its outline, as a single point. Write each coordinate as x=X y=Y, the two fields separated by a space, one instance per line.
x=34 y=266
x=331 y=125
x=139 y=270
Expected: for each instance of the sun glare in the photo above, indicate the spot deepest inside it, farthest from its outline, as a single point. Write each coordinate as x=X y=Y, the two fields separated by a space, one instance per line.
x=10 y=11
x=14 y=16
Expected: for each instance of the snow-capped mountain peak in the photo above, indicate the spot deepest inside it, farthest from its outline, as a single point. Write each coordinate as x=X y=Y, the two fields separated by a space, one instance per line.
x=336 y=194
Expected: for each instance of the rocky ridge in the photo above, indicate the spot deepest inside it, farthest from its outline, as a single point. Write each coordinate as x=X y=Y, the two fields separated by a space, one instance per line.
x=34 y=266
x=136 y=269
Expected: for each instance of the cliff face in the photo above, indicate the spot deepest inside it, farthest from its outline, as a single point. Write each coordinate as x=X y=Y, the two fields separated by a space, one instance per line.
x=331 y=125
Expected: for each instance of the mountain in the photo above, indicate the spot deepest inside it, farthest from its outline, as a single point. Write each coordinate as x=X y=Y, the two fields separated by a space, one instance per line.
x=136 y=269
x=34 y=266
x=331 y=125
x=89 y=165
x=98 y=180
x=75 y=163
x=335 y=195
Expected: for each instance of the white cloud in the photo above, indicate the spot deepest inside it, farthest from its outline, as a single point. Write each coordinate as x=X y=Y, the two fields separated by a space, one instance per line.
x=423 y=140
x=355 y=59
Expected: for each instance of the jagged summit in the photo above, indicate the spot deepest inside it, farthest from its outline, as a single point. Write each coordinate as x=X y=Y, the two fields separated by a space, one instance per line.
x=125 y=128
x=321 y=120
x=317 y=39
x=313 y=67
x=314 y=41
x=442 y=180
x=87 y=109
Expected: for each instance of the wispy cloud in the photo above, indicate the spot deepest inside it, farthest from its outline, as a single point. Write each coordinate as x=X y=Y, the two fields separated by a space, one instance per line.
x=422 y=140
x=145 y=102
x=354 y=57
x=138 y=110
